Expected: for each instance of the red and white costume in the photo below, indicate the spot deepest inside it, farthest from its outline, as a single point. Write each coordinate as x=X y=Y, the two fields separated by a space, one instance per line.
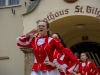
x=88 y=68
x=67 y=61
x=43 y=48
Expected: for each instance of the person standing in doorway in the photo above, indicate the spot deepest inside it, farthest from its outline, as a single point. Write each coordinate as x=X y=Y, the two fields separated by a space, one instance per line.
x=87 y=67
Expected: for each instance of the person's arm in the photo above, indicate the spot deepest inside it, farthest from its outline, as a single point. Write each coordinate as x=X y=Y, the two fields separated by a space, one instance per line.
x=71 y=57
x=94 y=68
x=49 y=63
x=25 y=40
x=78 y=69
x=56 y=54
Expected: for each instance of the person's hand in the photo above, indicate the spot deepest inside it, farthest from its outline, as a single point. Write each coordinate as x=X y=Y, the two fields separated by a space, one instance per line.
x=31 y=33
x=72 y=73
x=49 y=63
x=60 y=69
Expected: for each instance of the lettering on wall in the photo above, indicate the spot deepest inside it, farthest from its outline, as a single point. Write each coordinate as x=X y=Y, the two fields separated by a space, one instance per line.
x=78 y=9
x=89 y=10
x=70 y=1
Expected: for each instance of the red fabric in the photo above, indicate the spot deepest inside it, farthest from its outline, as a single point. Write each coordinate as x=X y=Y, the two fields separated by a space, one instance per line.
x=24 y=40
x=42 y=51
x=42 y=67
x=70 y=60
x=61 y=73
x=87 y=68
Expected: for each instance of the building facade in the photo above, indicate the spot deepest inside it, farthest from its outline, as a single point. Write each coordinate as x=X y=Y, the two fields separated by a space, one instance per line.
x=77 y=21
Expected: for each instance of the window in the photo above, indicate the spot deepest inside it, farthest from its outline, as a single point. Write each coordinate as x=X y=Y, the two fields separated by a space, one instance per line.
x=2 y=3
x=7 y=3
x=14 y=2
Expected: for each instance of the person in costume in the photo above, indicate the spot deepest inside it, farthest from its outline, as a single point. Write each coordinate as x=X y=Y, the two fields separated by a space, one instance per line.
x=64 y=60
x=43 y=47
x=87 y=67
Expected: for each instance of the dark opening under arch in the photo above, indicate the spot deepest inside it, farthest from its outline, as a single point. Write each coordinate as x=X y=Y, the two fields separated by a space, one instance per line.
x=92 y=48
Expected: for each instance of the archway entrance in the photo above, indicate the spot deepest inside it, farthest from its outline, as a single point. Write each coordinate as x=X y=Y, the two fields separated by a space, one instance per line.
x=92 y=49
x=74 y=28
x=78 y=31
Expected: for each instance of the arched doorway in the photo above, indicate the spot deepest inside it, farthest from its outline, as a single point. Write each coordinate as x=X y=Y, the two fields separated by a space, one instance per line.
x=73 y=28
x=92 y=49
x=79 y=38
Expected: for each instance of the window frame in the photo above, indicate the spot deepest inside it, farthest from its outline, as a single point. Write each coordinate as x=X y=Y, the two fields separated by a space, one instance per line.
x=7 y=4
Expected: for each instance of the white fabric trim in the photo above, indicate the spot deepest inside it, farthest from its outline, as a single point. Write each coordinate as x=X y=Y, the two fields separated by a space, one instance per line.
x=75 y=73
x=23 y=43
x=97 y=74
x=88 y=63
x=61 y=66
x=86 y=73
x=62 y=57
x=83 y=64
x=35 y=61
x=41 y=41
x=49 y=39
x=91 y=70
x=78 y=74
x=76 y=68
x=46 y=59
x=52 y=72
x=71 y=69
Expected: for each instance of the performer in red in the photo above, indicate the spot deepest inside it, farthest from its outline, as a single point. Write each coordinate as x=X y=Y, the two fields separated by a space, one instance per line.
x=87 y=67
x=66 y=61
x=59 y=57
x=43 y=48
